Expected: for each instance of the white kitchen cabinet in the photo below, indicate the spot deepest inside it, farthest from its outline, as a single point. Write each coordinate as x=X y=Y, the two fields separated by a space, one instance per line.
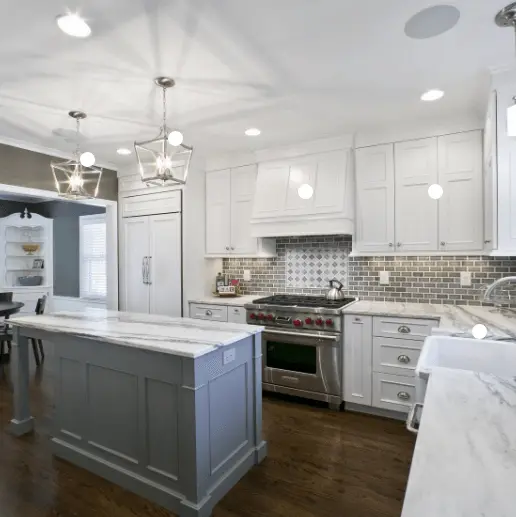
x=460 y=208
x=151 y=264
x=357 y=356
x=490 y=187
x=395 y=212
x=278 y=210
x=229 y=202
x=415 y=211
x=218 y=212
x=375 y=198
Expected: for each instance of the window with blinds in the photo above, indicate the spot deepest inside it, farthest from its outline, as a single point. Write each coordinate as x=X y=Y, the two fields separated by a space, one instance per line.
x=93 y=256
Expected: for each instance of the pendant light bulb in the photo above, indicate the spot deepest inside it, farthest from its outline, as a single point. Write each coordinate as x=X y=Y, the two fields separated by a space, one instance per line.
x=87 y=159
x=305 y=191
x=175 y=138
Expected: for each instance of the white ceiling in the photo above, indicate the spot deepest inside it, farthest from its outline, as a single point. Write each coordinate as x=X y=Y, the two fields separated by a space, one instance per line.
x=297 y=69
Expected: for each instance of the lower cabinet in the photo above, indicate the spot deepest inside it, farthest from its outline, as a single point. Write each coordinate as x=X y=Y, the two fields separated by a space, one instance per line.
x=358 y=345
x=380 y=358
x=225 y=313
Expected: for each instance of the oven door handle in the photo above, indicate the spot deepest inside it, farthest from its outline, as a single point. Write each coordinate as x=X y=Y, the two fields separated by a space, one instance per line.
x=300 y=335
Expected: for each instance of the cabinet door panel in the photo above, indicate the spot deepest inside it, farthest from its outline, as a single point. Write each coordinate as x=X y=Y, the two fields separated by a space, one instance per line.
x=271 y=188
x=330 y=182
x=461 y=208
x=301 y=172
x=218 y=212
x=358 y=351
x=243 y=182
x=165 y=264
x=375 y=198
x=135 y=236
x=416 y=212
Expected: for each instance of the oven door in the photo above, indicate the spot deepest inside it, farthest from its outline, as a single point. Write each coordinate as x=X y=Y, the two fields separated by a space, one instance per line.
x=303 y=361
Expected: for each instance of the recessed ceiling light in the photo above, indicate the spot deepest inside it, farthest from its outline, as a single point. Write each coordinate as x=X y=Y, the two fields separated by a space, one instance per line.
x=124 y=151
x=432 y=95
x=73 y=25
x=432 y=21
x=252 y=131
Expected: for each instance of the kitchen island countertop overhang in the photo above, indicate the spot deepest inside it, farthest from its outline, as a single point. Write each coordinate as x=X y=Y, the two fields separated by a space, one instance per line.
x=168 y=408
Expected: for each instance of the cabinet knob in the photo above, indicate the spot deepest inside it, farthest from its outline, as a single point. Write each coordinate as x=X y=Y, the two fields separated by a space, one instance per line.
x=403 y=395
x=232 y=248
x=391 y=244
x=358 y=319
x=443 y=243
x=403 y=329
x=227 y=247
x=398 y=244
x=404 y=359
x=208 y=313
x=487 y=242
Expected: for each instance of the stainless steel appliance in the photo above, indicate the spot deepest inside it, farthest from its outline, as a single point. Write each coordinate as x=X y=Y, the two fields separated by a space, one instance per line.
x=302 y=345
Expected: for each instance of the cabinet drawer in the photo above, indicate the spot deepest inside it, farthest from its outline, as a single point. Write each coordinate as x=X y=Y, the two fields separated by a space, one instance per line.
x=393 y=392
x=395 y=356
x=403 y=328
x=209 y=312
x=236 y=314
x=151 y=204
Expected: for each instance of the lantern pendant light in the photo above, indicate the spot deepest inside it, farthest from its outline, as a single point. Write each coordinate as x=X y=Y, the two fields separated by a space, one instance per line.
x=164 y=160
x=77 y=178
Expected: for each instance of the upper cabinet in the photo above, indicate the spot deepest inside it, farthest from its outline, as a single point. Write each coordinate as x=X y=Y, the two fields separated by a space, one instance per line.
x=229 y=201
x=375 y=199
x=280 y=210
x=395 y=212
x=415 y=211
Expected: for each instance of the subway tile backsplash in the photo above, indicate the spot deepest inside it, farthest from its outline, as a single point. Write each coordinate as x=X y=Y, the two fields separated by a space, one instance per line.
x=305 y=264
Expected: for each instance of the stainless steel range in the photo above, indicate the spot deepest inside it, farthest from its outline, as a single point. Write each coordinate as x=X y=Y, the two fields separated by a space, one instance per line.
x=302 y=345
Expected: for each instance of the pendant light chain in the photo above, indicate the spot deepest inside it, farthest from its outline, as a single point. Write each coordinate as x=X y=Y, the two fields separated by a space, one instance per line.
x=165 y=111
x=77 y=136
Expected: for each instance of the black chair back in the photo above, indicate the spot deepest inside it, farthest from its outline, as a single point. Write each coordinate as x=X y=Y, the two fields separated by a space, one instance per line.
x=6 y=297
x=40 y=306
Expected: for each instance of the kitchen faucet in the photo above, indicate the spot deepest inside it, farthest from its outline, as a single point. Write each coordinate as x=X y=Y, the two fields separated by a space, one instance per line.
x=495 y=284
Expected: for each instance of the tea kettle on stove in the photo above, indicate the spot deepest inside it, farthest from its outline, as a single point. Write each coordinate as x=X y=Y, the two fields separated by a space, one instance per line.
x=335 y=292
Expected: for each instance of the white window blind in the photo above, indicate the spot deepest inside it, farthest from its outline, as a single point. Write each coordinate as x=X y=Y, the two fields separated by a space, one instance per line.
x=93 y=256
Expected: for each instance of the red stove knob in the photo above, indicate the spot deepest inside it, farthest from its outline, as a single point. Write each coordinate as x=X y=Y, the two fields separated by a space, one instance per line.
x=298 y=323
x=319 y=321
x=252 y=316
x=329 y=322
x=261 y=316
x=270 y=317
x=309 y=321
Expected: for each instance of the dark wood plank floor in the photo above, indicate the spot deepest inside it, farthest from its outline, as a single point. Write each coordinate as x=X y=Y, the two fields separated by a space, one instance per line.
x=320 y=464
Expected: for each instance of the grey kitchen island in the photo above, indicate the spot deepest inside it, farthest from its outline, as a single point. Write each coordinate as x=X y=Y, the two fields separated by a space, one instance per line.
x=169 y=408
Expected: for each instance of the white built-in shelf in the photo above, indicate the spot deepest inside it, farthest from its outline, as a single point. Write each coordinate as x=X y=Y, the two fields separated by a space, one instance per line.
x=21 y=243
x=25 y=256
x=24 y=269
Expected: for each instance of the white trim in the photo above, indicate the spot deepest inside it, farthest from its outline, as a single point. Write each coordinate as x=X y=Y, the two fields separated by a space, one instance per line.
x=48 y=151
x=471 y=253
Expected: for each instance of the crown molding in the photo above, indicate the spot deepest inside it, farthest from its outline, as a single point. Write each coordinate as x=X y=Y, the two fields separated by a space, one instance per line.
x=20 y=144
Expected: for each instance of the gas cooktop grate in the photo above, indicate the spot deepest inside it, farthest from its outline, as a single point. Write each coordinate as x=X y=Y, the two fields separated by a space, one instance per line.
x=303 y=301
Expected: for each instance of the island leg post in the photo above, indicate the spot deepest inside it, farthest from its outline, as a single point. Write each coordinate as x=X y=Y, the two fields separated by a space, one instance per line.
x=22 y=421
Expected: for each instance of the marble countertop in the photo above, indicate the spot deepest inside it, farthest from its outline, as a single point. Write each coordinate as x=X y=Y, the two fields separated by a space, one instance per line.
x=177 y=336
x=455 y=318
x=218 y=300
x=464 y=463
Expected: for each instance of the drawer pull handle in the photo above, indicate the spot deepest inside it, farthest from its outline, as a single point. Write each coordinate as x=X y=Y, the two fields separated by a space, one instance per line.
x=291 y=379
x=208 y=313
x=403 y=329
x=358 y=319
x=405 y=359
x=403 y=395
x=237 y=311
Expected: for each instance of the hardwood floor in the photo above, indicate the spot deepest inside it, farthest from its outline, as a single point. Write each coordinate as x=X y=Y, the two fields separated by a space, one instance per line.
x=320 y=464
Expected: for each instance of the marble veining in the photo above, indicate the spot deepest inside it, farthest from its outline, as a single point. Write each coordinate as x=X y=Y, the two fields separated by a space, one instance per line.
x=178 y=336
x=455 y=318
x=464 y=463
x=221 y=300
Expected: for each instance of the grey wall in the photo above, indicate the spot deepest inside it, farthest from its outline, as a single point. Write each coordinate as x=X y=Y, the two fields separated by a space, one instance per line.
x=66 y=238
x=29 y=169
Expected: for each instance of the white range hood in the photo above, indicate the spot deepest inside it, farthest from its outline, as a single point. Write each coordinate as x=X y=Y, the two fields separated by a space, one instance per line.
x=279 y=210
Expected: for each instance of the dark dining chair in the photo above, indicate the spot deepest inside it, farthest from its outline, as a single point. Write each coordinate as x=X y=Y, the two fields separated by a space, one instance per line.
x=5 y=335
x=37 y=344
